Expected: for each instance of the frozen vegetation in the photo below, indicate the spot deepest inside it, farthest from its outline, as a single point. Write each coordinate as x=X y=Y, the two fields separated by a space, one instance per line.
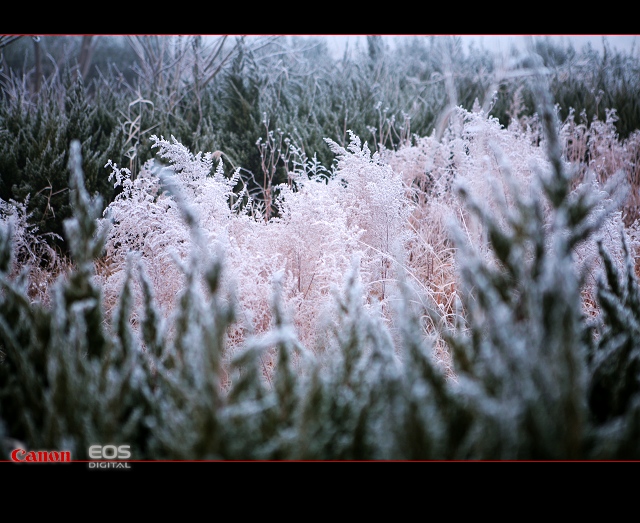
x=470 y=293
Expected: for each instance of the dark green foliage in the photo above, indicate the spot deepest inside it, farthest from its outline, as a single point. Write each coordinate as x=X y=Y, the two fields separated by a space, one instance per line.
x=64 y=377
x=240 y=117
x=614 y=385
x=595 y=84
x=34 y=150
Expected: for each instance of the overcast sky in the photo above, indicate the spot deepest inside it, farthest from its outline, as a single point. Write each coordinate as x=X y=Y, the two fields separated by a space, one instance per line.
x=501 y=43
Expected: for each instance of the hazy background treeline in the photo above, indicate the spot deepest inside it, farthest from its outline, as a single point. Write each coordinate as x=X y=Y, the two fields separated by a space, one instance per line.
x=256 y=99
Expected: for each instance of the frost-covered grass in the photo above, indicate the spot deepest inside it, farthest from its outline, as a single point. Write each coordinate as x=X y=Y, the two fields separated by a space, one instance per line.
x=468 y=296
x=389 y=210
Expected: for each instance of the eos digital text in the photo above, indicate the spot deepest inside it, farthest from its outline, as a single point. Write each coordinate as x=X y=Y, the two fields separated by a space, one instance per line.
x=106 y=453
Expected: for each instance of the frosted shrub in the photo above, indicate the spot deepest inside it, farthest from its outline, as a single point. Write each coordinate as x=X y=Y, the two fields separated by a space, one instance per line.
x=376 y=204
x=474 y=152
x=30 y=252
x=145 y=221
x=387 y=209
x=145 y=217
x=314 y=242
x=520 y=314
x=595 y=149
x=323 y=222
